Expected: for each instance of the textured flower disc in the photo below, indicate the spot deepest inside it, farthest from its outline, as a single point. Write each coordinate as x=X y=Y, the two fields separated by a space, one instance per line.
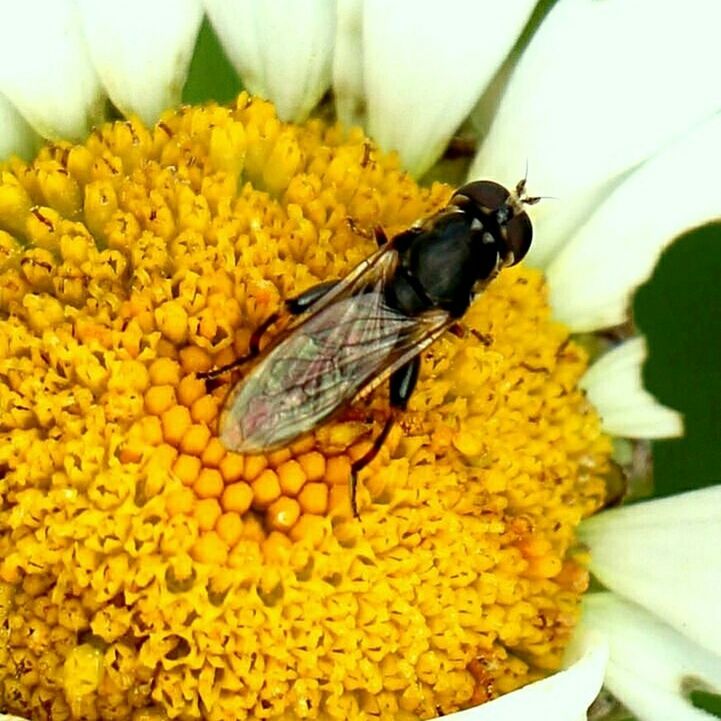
x=146 y=572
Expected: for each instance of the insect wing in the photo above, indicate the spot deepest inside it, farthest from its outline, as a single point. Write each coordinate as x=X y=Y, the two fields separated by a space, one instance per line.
x=342 y=347
x=370 y=274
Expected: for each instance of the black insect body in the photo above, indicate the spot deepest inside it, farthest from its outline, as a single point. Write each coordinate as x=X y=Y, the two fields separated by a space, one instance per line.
x=350 y=335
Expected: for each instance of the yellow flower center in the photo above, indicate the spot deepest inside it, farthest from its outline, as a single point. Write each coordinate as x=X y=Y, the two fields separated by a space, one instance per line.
x=148 y=573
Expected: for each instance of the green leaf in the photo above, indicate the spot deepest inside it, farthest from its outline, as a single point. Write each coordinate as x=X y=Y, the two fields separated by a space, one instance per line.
x=710 y=702
x=679 y=310
x=211 y=76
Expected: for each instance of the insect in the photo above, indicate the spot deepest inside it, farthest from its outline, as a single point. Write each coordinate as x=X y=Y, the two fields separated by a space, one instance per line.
x=348 y=336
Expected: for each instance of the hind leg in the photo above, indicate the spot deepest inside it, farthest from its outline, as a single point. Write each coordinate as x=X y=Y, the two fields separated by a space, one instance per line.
x=402 y=384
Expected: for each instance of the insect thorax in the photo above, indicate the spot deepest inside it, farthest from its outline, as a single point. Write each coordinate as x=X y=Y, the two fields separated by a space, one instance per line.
x=441 y=262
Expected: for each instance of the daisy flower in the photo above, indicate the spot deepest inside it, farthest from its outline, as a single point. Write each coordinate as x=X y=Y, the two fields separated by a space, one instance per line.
x=146 y=571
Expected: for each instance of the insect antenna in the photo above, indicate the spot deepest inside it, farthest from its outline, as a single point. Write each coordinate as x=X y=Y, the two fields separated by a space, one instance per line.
x=521 y=192
x=537 y=199
x=521 y=184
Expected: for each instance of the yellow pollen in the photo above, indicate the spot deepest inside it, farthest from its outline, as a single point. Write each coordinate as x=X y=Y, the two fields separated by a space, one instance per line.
x=148 y=573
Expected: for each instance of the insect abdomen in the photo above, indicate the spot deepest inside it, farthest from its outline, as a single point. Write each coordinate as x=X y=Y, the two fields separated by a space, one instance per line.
x=312 y=373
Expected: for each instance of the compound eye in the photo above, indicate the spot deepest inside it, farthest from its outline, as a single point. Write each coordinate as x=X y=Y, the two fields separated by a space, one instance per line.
x=486 y=194
x=519 y=233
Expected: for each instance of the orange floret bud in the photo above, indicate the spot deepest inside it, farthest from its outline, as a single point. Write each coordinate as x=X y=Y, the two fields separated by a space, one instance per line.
x=358 y=450
x=232 y=467
x=187 y=468
x=337 y=470
x=303 y=445
x=266 y=488
x=190 y=389
x=209 y=484
x=339 y=500
x=213 y=454
x=313 y=465
x=230 y=528
x=159 y=399
x=237 y=497
x=283 y=513
x=195 y=439
x=314 y=498
x=291 y=477
x=165 y=371
x=195 y=360
x=204 y=409
x=207 y=512
x=275 y=458
x=253 y=467
x=176 y=422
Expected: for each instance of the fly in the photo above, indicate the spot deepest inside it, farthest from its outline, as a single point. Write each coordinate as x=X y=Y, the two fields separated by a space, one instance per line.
x=348 y=336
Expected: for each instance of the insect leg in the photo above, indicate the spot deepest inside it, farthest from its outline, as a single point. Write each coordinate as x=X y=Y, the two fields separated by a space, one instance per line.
x=295 y=306
x=378 y=233
x=402 y=383
x=305 y=300
x=254 y=349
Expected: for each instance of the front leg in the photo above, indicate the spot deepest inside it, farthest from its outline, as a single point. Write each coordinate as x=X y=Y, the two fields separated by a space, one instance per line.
x=295 y=306
x=402 y=384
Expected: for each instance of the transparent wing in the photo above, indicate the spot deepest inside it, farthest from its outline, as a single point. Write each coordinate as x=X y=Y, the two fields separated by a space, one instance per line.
x=340 y=351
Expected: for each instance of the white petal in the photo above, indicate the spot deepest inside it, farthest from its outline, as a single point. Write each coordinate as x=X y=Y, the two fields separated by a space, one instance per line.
x=614 y=385
x=593 y=277
x=427 y=63
x=45 y=69
x=16 y=136
x=348 y=63
x=601 y=87
x=282 y=50
x=664 y=554
x=142 y=50
x=565 y=696
x=650 y=663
